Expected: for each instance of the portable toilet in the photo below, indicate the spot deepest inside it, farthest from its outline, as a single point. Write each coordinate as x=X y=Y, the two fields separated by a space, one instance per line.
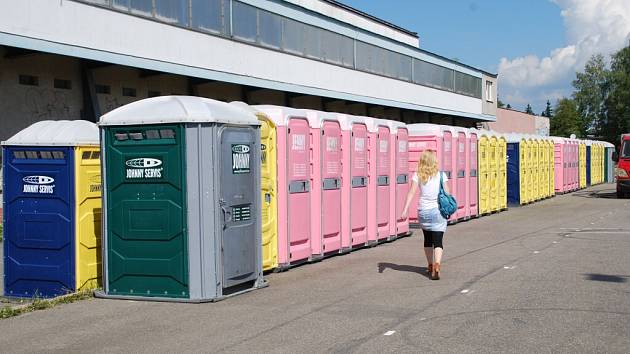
x=326 y=183
x=609 y=165
x=502 y=164
x=399 y=172
x=552 y=170
x=294 y=171
x=422 y=136
x=582 y=164
x=484 y=173
x=354 y=186
x=515 y=170
x=473 y=182
x=535 y=168
x=589 y=161
x=462 y=175
x=525 y=177
x=544 y=168
x=560 y=165
x=182 y=218
x=575 y=179
x=379 y=170
x=52 y=209
x=494 y=172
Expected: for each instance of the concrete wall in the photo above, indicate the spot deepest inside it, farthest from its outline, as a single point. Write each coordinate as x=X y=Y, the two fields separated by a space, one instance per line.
x=77 y=29
x=489 y=103
x=542 y=125
x=509 y=121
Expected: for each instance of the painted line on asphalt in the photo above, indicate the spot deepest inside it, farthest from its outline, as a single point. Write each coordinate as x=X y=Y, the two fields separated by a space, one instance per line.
x=389 y=333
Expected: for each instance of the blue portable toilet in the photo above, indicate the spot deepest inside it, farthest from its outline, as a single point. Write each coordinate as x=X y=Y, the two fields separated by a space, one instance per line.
x=39 y=207
x=514 y=170
x=588 y=162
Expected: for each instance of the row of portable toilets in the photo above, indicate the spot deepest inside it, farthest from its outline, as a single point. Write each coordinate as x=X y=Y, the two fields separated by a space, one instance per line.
x=189 y=214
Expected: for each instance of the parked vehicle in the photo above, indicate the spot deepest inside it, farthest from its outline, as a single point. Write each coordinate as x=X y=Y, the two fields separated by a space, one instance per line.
x=622 y=172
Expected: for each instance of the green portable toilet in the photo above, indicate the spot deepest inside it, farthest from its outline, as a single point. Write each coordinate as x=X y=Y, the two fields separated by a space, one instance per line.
x=182 y=200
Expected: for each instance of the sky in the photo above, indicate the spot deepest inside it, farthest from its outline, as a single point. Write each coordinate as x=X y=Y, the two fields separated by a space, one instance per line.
x=536 y=46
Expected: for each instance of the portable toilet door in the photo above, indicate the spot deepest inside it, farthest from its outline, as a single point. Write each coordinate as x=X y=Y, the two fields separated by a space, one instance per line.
x=558 y=165
x=582 y=164
x=525 y=172
x=552 y=169
x=473 y=186
x=52 y=195
x=609 y=164
x=514 y=170
x=484 y=174
x=354 y=182
x=399 y=167
x=542 y=188
x=494 y=173
x=462 y=175
x=294 y=155
x=330 y=182
x=535 y=169
x=575 y=169
x=589 y=166
x=502 y=146
x=449 y=161
x=422 y=136
x=269 y=197
x=382 y=175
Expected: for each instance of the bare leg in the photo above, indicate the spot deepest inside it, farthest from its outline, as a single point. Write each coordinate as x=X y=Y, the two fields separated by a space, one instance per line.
x=438 y=254
x=428 y=251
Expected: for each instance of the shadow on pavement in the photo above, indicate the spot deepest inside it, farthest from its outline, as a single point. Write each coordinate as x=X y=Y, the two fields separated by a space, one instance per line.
x=600 y=194
x=607 y=278
x=402 y=268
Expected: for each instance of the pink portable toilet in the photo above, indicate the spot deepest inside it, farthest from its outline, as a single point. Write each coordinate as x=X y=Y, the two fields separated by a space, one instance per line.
x=448 y=164
x=560 y=157
x=575 y=159
x=422 y=136
x=378 y=179
x=462 y=175
x=327 y=180
x=295 y=156
x=473 y=186
x=354 y=182
x=399 y=177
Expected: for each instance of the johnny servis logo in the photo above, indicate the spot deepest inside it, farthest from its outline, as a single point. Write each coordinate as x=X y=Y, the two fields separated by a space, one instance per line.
x=144 y=167
x=38 y=184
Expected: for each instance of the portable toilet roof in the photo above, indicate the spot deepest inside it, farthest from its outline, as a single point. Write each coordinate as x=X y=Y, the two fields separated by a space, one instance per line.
x=421 y=128
x=347 y=120
x=178 y=109
x=607 y=144
x=395 y=125
x=373 y=124
x=56 y=133
x=280 y=115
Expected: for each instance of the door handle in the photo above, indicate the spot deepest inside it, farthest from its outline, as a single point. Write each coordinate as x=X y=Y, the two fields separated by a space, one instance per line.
x=226 y=212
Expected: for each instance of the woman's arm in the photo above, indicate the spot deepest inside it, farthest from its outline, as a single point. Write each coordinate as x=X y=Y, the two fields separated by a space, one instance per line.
x=445 y=184
x=412 y=191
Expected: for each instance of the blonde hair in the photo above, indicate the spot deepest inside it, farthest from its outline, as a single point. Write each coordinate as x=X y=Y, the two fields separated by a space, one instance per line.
x=427 y=166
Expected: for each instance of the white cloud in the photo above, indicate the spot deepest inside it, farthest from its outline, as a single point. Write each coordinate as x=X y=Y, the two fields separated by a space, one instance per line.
x=592 y=26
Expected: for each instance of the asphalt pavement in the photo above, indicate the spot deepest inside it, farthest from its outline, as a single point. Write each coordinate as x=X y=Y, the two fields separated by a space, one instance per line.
x=549 y=277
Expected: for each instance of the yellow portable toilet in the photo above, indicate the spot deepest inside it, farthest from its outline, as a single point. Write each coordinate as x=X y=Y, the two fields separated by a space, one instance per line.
x=268 y=176
x=524 y=171
x=534 y=154
x=582 y=164
x=484 y=173
x=542 y=153
x=502 y=164
x=493 y=165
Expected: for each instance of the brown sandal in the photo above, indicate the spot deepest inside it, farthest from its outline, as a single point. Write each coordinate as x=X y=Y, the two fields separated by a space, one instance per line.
x=430 y=268
x=435 y=274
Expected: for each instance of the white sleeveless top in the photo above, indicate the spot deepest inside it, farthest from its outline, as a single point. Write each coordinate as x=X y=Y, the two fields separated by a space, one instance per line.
x=429 y=191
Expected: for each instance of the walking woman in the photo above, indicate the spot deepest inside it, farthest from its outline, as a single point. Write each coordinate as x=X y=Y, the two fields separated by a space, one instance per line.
x=433 y=224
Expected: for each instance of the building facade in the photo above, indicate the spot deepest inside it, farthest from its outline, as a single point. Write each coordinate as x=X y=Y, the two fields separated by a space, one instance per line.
x=511 y=121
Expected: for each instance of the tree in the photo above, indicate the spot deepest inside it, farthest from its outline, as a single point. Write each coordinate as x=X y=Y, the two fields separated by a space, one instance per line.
x=500 y=104
x=508 y=106
x=548 y=112
x=590 y=95
x=617 y=105
x=566 y=120
x=529 y=110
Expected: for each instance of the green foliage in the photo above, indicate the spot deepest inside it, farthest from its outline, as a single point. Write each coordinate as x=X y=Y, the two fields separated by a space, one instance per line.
x=529 y=110
x=566 y=120
x=617 y=103
x=500 y=104
x=42 y=304
x=508 y=106
x=548 y=110
x=591 y=92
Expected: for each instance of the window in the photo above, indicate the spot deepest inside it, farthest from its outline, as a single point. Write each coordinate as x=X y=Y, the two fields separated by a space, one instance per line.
x=207 y=15
x=312 y=42
x=121 y=4
x=245 y=21
x=293 y=36
x=172 y=11
x=270 y=29
x=103 y=89
x=154 y=93
x=129 y=92
x=142 y=7
x=489 y=96
x=63 y=84
x=28 y=80
x=625 y=149
x=467 y=85
x=100 y=2
x=432 y=75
